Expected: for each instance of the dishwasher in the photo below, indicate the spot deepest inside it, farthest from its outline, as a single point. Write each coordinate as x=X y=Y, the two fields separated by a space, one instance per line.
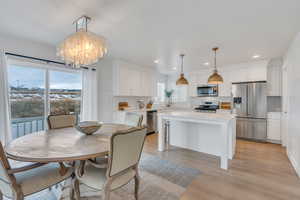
x=151 y=121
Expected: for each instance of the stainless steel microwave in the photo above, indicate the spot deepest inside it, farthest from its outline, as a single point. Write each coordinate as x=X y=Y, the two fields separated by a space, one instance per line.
x=207 y=91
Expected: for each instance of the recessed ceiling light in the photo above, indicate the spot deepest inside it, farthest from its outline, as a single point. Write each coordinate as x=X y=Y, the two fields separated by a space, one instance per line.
x=174 y=68
x=156 y=61
x=206 y=63
x=256 y=56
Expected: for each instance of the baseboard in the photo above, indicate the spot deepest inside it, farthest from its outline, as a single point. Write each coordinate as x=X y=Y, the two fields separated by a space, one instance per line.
x=294 y=163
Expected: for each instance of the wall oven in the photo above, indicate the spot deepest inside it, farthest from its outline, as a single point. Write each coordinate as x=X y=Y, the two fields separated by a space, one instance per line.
x=207 y=91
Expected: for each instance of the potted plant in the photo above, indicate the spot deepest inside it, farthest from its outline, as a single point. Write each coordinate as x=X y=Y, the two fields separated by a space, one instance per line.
x=169 y=94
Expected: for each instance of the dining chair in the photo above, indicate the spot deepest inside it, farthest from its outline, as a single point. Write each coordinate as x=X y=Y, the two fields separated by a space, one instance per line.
x=16 y=183
x=125 y=152
x=133 y=119
x=61 y=121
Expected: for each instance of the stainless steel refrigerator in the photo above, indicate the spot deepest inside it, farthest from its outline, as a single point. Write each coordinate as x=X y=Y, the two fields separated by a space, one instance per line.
x=250 y=107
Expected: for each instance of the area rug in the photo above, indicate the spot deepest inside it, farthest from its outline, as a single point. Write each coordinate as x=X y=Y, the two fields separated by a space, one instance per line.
x=160 y=180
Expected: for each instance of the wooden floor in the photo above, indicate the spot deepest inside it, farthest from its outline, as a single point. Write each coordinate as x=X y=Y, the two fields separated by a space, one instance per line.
x=259 y=171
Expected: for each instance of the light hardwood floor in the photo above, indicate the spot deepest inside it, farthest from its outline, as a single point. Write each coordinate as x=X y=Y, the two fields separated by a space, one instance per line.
x=259 y=171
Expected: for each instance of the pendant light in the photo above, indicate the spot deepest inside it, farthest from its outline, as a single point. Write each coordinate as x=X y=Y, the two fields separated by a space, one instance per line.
x=215 y=78
x=182 y=80
x=83 y=47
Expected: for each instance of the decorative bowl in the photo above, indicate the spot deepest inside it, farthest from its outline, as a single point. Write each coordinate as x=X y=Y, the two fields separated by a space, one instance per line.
x=88 y=127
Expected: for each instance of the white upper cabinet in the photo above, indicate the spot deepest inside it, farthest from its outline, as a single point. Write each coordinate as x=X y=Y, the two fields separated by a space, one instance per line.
x=274 y=77
x=133 y=80
x=197 y=79
x=122 y=83
x=225 y=89
x=243 y=72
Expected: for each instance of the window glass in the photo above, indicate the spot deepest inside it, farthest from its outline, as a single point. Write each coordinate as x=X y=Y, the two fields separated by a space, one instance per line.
x=31 y=101
x=27 y=99
x=65 y=93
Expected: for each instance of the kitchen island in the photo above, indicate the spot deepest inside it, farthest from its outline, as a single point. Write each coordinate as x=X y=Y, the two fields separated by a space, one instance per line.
x=211 y=133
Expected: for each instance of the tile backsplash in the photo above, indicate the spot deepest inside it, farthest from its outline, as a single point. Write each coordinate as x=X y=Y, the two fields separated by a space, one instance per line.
x=196 y=101
x=132 y=101
x=274 y=103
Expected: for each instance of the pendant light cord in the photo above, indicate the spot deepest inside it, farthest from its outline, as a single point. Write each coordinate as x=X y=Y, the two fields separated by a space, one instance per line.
x=215 y=49
x=182 y=55
x=215 y=59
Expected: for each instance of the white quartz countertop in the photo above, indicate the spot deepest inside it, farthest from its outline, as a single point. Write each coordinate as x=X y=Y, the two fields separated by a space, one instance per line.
x=192 y=115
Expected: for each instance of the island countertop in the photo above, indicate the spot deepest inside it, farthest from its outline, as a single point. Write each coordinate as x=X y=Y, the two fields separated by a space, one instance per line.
x=193 y=115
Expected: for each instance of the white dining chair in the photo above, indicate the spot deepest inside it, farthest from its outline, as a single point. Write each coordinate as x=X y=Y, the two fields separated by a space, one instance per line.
x=133 y=119
x=126 y=148
x=16 y=183
x=61 y=121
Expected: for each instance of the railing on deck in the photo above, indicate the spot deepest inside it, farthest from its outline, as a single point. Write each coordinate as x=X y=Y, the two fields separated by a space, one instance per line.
x=24 y=126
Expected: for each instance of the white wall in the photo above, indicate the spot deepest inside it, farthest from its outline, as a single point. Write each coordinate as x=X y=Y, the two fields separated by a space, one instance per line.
x=28 y=48
x=292 y=63
x=105 y=83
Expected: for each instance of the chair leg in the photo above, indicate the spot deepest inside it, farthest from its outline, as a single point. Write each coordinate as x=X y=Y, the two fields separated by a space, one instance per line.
x=106 y=192
x=76 y=188
x=136 y=186
x=19 y=196
x=71 y=193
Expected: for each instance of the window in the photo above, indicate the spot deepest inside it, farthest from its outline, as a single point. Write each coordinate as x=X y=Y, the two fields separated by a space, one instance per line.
x=180 y=93
x=37 y=91
x=161 y=92
x=27 y=99
x=65 y=92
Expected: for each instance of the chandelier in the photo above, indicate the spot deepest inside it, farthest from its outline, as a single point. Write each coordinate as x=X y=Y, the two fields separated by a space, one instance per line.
x=82 y=47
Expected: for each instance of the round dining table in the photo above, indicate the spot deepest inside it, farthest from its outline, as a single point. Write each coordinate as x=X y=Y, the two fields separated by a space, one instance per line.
x=62 y=145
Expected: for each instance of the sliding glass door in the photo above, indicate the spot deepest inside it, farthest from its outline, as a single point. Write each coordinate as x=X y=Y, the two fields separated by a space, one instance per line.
x=27 y=99
x=36 y=92
x=65 y=93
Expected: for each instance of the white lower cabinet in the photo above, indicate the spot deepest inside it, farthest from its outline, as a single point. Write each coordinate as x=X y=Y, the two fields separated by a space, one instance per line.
x=274 y=128
x=119 y=116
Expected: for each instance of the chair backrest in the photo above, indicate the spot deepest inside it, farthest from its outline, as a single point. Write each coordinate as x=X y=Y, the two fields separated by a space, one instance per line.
x=133 y=119
x=125 y=150
x=6 y=180
x=61 y=121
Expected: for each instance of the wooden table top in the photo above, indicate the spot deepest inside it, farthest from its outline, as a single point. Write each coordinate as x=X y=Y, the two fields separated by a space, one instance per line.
x=58 y=145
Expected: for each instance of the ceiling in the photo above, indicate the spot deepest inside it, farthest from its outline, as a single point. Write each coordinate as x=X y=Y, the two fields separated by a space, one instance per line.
x=146 y=30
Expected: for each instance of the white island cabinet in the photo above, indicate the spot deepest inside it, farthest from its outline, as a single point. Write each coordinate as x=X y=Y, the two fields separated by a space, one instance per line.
x=211 y=133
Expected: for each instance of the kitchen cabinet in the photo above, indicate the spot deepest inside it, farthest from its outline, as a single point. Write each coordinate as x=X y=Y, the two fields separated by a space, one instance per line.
x=119 y=116
x=197 y=79
x=274 y=77
x=193 y=83
x=133 y=80
x=226 y=87
x=243 y=72
x=274 y=127
x=123 y=85
x=148 y=86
